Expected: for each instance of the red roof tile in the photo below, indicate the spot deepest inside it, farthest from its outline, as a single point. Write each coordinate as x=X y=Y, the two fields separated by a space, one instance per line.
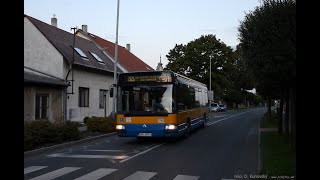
x=128 y=60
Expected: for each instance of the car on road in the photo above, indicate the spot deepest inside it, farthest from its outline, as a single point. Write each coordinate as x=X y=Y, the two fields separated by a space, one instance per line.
x=215 y=107
x=222 y=107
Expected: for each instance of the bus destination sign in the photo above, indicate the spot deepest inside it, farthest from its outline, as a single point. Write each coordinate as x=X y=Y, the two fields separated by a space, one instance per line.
x=164 y=77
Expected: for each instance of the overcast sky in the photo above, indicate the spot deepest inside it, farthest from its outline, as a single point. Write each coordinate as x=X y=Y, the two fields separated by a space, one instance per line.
x=151 y=27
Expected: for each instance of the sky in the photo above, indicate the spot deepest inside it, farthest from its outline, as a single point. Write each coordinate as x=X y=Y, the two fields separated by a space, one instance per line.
x=151 y=27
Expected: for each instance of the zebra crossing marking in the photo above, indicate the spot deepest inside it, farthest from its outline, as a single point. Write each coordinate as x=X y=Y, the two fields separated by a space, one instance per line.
x=56 y=173
x=186 y=177
x=97 y=174
x=140 y=175
x=33 y=168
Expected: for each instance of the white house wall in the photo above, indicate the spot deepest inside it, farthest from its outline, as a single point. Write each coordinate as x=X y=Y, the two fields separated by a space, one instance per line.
x=94 y=82
x=39 y=53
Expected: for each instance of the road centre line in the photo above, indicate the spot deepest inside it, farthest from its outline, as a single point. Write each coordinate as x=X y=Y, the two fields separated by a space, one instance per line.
x=143 y=152
x=104 y=150
x=229 y=117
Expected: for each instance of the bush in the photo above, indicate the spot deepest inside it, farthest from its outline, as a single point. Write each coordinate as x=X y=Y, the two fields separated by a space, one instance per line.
x=69 y=131
x=85 y=120
x=37 y=133
x=42 y=132
x=28 y=142
x=101 y=124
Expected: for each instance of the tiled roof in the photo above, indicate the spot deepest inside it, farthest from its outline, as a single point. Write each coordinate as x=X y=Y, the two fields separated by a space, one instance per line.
x=128 y=60
x=63 y=42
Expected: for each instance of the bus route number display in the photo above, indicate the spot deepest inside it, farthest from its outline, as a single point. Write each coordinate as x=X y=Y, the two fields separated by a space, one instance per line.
x=150 y=78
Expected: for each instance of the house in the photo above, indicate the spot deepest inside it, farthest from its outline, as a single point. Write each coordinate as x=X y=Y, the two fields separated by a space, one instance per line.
x=63 y=81
x=43 y=96
x=128 y=62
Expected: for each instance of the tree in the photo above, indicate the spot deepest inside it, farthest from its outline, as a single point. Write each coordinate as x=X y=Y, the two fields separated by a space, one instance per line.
x=241 y=80
x=234 y=95
x=193 y=59
x=268 y=40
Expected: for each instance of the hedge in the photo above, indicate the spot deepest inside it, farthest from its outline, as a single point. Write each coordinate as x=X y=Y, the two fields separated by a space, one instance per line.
x=42 y=132
x=101 y=124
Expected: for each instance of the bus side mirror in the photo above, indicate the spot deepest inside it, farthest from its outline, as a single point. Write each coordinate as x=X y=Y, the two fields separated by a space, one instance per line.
x=111 y=92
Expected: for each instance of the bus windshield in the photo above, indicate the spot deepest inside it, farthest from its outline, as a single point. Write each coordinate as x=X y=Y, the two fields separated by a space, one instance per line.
x=144 y=100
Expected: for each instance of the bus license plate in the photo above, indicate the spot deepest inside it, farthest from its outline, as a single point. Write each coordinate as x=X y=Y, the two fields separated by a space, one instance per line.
x=145 y=134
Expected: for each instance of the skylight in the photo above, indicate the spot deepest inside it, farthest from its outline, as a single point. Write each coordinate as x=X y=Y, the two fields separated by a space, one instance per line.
x=81 y=53
x=97 y=57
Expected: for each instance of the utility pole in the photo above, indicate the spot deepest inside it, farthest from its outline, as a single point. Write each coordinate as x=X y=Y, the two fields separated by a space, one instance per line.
x=74 y=40
x=115 y=65
x=70 y=69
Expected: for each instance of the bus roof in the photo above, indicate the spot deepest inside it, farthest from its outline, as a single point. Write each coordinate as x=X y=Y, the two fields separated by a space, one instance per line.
x=181 y=78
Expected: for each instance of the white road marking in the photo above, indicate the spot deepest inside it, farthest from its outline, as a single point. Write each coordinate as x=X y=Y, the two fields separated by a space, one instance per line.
x=222 y=116
x=56 y=173
x=185 y=177
x=228 y=118
x=102 y=150
x=140 y=175
x=33 y=168
x=87 y=156
x=145 y=151
x=97 y=174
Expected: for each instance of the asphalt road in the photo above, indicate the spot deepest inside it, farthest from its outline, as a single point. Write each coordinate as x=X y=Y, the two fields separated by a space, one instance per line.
x=226 y=149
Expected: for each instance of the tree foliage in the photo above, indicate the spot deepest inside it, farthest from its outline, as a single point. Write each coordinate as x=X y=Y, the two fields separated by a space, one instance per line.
x=193 y=60
x=268 y=42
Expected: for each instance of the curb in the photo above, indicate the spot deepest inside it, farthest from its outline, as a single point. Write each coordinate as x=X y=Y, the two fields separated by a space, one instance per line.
x=63 y=145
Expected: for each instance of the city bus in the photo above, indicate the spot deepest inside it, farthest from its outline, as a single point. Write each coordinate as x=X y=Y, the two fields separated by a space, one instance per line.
x=159 y=104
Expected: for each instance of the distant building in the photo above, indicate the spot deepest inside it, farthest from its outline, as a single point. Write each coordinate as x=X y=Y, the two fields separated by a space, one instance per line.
x=159 y=67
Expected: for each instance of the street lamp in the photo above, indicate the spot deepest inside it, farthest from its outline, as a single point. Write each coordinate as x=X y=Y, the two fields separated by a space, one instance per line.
x=115 y=65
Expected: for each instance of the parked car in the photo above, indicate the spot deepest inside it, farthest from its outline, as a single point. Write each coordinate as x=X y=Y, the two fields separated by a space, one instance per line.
x=215 y=107
x=222 y=107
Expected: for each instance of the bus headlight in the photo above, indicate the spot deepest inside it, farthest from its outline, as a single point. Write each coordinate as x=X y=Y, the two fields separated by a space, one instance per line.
x=170 y=127
x=120 y=127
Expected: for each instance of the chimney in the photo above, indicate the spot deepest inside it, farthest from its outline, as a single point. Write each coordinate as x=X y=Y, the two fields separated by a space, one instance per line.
x=128 y=47
x=54 y=21
x=85 y=28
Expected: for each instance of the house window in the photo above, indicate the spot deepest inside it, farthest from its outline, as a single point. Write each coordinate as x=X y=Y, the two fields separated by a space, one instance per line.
x=83 y=56
x=83 y=97
x=42 y=106
x=102 y=98
x=97 y=58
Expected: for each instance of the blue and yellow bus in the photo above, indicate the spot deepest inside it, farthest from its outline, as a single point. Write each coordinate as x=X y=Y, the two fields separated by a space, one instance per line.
x=159 y=104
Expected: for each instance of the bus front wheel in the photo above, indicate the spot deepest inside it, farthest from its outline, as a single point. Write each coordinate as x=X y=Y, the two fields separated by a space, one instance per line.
x=188 y=130
x=204 y=121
